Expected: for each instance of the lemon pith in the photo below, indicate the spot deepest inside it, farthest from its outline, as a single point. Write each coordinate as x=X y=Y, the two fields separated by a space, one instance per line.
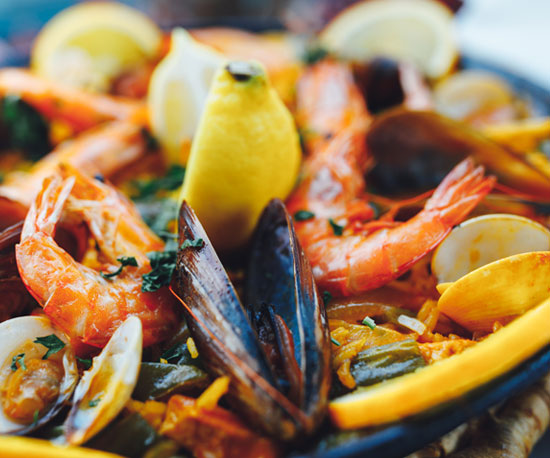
x=177 y=93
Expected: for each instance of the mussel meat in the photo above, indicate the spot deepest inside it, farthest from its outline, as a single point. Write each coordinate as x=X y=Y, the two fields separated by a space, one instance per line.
x=276 y=352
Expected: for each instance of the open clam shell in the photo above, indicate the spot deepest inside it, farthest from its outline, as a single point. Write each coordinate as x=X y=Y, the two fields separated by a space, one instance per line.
x=17 y=338
x=484 y=239
x=499 y=291
x=107 y=386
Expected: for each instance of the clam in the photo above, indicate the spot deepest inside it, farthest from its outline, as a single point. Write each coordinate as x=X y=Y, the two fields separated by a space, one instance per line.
x=35 y=382
x=498 y=292
x=484 y=239
x=107 y=386
x=276 y=353
x=414 y=150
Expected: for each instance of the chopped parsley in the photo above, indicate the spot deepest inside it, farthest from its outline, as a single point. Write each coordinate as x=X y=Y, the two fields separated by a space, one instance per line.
x=169 y=182
x=52 y=343
x=151 y=143
x=94 y=402
x=335 y=342
x=173 y=353
x=163 y=264
x=35 y=417
x=195 y=243
x=124 y=261
x=26 y=128
x=327 y=297
x=159 y=214
x=303 y=215
x=314 y=54
x=87 y=363
x=368 y=321
x=20 y=358
x=336 y=228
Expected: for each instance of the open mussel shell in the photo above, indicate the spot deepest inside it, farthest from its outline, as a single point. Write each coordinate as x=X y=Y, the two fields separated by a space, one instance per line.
x=227 y=341
x=107 y=386
x=498 y=292
x=17 y=338
x=414 y=150
x=484 y=239
x=281 y=298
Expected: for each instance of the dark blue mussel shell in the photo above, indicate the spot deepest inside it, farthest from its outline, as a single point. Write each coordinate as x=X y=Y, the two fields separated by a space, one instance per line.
x=228 y=342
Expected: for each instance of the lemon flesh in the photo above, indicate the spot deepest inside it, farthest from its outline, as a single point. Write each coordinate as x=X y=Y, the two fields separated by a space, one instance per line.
x=414 y=30
x=90 y=43
x=246 y=152
x=178 y=91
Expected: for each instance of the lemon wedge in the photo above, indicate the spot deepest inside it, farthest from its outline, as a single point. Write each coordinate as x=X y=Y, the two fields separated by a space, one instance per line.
x=177 y=93
x=415 y=30
x=90 y=43
x=246 y=152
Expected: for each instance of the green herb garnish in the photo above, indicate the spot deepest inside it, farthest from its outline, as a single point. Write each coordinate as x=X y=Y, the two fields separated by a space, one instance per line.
x=124 y=261
x=52 y=343
x=26 y=127
x=336 y=228
x=158 y=214
x=314 y=54
x=335 y=342
x=327 y=297
x=169 y=182
x=196 y=243
x=368 y=321
x=175 y=352
x=35 y=418
x=87 y=363
x=151 y=143
x=20 y=358
x=94 y=402
x=163 y=264
x=303 y=215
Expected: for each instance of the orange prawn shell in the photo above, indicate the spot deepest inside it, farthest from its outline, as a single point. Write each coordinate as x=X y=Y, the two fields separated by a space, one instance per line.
x=86 y=306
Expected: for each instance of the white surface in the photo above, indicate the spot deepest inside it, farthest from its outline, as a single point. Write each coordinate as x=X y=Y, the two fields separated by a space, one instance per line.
x=512 y=33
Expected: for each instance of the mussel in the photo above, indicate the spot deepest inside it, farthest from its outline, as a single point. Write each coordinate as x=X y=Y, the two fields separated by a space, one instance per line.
x=414 y=150
x=277 y=350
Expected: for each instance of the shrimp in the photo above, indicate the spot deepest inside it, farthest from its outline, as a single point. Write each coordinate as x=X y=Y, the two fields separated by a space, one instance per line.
x=79 y=109
x=77 y=298
x=350 y=254
x=104 y=150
